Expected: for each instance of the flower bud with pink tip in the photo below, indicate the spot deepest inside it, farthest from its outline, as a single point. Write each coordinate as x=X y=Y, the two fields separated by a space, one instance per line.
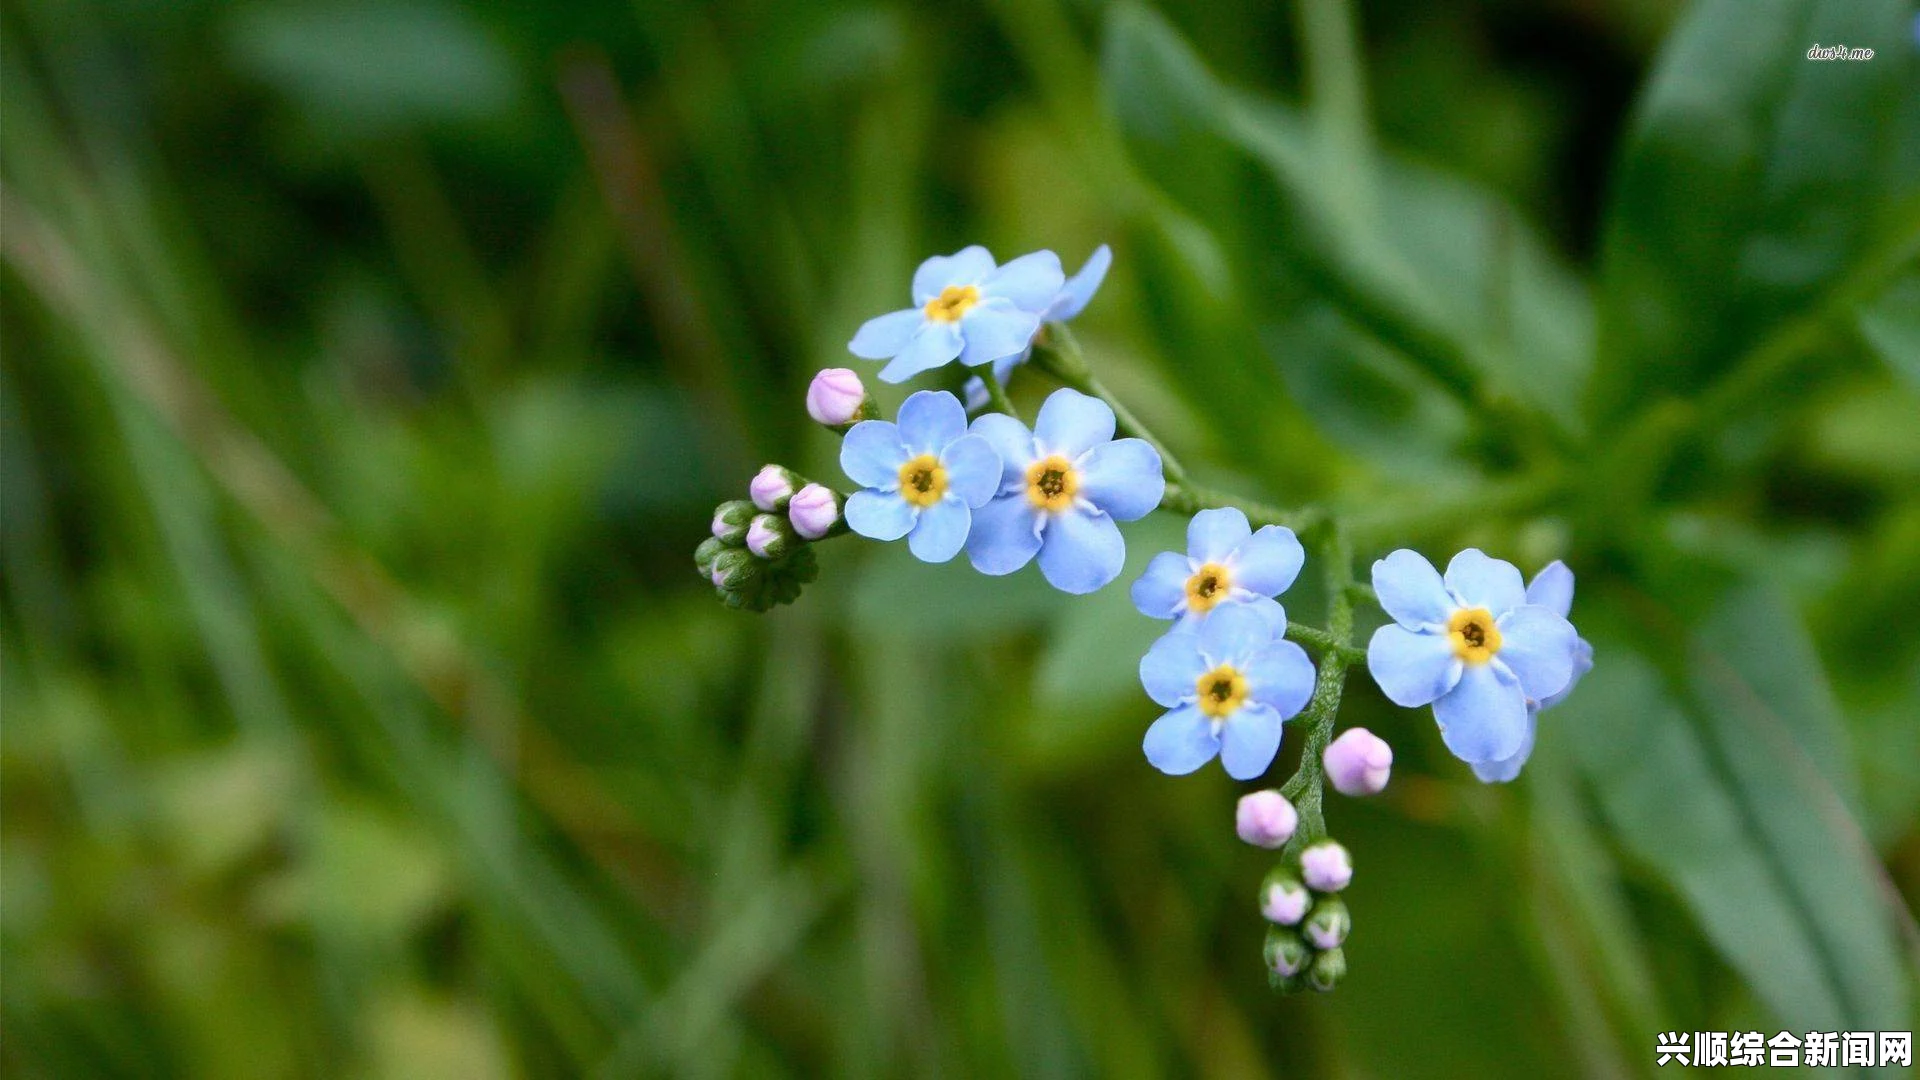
x=772 y=486
x=1265 y=819
x=1358 y=762
x=837 y=399
x=1286 y=953
x=730 y=522
x=1283 y=899
x=1326 y=866
x=770 y=537
x=814 y=510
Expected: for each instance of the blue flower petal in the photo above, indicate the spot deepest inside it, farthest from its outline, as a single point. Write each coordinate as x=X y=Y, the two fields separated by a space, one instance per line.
x=1123 y=478
x=872 y=453
x=974 y=393
x=1030 y=281
x=941 y=531
x=883 y=336
x=1552 y=588
x=1280 y=676
x=1268 y=561
x=1081 y=551
x=1160 y=592
x=1005 y=535
x=929 y=420
x=968 y=266
x=1233 y=632
x=973 y=470
x=1003 y=367
x=1537 y=646
x=1011 y=441
x=1500 y=772
x=1172 y=668
x=1249 y=741
x=1582 y=663
x=1181 y=741
x=1079 y=289
x=1213 y=534
x=1072 y=423
x=1265 y=607
x=934 y=345
x=1484 y=716
x=995 y=330
x=1410 y=590
x=879 y=515
x=1412 y=668
x=1482 y=581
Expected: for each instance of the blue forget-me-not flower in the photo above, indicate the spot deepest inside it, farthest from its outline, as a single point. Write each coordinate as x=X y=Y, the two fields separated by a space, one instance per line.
x=922 y=477
x=1226 y=563
x=1228 y=685
x=965 y=308
x=1071 y=300
x=1472 y=646
x=1551 y=588
x=1062 y=487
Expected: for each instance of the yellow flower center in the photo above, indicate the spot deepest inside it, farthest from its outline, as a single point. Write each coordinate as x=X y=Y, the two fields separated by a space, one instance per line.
x=1207 y=587
x=953 y=302
x=1051 y=483
x=1221 y=691
x=923 y=480
x=1475 y=639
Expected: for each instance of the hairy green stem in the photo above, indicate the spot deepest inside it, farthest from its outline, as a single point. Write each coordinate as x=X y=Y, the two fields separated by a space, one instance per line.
x=1306 y=788
x=1059 y=355
x=1186 y=498
x=1323 y=642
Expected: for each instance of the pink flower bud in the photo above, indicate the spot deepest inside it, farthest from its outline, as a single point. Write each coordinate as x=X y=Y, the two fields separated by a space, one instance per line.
x=1284 y=901
x=767 y=537
x=770 y=488
x=1358 y=762
x=1326 y=866
x=719 y=578
x=813 y=510
x=835 y=397
x=1265 y=819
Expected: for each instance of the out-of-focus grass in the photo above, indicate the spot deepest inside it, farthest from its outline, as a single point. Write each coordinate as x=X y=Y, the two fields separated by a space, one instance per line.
x=370 y=370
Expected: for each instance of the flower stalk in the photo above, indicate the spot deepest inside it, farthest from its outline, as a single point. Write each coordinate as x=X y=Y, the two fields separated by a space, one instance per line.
x=1487 y=651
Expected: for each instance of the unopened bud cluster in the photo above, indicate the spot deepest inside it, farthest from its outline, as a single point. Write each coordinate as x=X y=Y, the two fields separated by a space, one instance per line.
x=759 y=553
x=1309 y=921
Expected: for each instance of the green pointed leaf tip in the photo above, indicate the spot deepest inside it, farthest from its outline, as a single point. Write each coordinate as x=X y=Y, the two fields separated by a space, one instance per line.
x=1732 y=784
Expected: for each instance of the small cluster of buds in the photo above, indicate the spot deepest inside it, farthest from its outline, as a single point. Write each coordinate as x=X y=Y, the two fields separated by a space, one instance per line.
x=1310 y=922
x=759 y=554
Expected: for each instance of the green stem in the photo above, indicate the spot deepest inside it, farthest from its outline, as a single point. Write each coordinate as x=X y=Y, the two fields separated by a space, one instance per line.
x=1059 y=355
x=1306 y=788
x=1186 y=498
x=997 y=398
x=1323 y=642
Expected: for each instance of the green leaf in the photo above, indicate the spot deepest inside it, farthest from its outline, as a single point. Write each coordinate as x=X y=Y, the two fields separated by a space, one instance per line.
x=1729 y=778
x=1753 y=181
x=1442 y=272
x=363 y=68
x=1891 y=325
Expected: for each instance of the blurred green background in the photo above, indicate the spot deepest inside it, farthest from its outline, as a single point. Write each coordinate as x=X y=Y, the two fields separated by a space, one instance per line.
x=371 y=368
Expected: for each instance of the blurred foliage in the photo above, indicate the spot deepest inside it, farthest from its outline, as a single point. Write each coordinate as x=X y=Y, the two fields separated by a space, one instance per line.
x=371 y=367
